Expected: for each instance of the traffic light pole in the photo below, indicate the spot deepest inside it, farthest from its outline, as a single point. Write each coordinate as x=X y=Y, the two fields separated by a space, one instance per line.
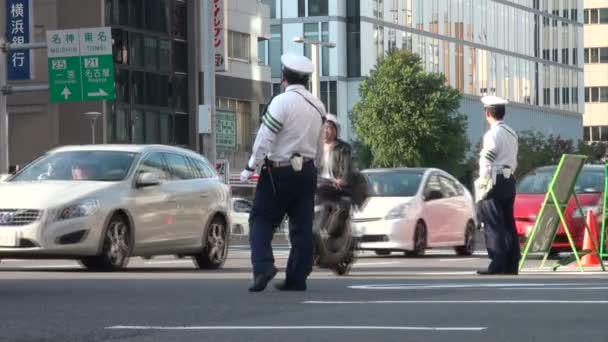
x=209 y=73
x=6 y=89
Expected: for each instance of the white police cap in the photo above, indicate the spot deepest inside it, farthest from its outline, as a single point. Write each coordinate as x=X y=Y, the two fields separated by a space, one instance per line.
x=490 y=101
x=297 y=63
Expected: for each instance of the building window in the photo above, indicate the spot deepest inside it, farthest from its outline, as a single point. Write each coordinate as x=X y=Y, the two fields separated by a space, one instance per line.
x=262 y=51
x=565 y=95
x=565 y=59
x=301 y=8
x=274 y=51
x=329 y=96
x=546 y=96
x=239 y=46
x=325 y=50
x=317 y=8
x=596 y=94
x=596 y=16
x=180 y=56
x=273 y=7
x=353 y=38
x=596 y=55
x=178 y=25
x=150 y=52
x=603 y=55
x=556 y=96
x=603 y=15
x=604 y=94
x=595 y=133
x=587 y=133
x=311 y=32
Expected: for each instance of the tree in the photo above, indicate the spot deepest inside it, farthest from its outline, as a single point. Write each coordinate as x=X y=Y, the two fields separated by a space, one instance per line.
x=408 y=117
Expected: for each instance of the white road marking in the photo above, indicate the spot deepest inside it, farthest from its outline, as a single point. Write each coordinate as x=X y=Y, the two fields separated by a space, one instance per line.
x=560 y=288
x=159 y=262
x=312 y=327
x=376 y=263
x=456 y=259
x=42 y=267
x=504 y=286
x=459 y=302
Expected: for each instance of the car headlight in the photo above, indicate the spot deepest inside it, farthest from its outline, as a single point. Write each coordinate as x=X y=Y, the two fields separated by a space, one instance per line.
x=577 y=212
x=82 y=209
x=397 y=212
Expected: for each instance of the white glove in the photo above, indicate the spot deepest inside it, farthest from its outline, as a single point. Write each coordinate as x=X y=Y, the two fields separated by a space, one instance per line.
x=246 y=175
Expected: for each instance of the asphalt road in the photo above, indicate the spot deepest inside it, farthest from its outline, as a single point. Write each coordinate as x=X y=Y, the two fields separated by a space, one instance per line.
x=434 y=298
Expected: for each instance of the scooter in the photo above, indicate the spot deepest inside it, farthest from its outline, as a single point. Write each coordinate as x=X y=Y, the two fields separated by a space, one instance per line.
x=335 y=244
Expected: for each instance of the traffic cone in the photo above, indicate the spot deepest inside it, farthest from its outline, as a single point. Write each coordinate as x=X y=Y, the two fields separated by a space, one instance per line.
x=590 y=259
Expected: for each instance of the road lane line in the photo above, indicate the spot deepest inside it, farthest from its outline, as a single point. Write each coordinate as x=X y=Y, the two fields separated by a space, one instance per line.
x=334 y=302
x=312 y=327
x=376 y=263
x=457 y=259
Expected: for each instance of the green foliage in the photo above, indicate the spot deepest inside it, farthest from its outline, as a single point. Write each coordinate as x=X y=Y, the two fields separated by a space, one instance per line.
x=408 y=117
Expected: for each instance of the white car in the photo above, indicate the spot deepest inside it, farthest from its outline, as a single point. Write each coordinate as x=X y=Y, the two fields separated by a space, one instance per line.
x=240 y=216
x=412 y=209
x=101 y=204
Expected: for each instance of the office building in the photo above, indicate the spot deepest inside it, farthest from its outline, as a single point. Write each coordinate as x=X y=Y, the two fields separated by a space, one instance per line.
x=595 y=119
x=529 y=51
x=157 y=61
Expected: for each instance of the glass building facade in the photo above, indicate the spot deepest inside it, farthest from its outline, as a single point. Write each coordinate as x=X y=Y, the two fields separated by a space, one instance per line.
x=528 y=51
x=151 y=71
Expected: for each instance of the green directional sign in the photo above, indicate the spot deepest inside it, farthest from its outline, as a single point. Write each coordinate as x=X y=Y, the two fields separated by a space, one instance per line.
x=97 y=64
x=81 y=67
x=64 y=66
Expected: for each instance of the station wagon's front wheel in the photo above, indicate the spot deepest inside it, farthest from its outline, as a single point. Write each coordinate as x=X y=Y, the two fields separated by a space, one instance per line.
x=215 y=246
x=116 y=247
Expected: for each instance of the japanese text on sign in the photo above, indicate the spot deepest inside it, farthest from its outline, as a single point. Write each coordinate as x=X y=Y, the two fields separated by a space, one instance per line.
x=219 y=34
x=18 y=32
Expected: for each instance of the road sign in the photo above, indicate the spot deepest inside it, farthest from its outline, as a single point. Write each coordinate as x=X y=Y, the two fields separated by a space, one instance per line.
x=80 y=65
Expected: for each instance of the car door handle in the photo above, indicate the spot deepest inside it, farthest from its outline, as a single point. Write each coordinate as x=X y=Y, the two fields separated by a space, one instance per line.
x=203 y=195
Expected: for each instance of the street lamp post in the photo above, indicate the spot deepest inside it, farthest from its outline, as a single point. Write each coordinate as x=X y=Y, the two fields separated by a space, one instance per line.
x=314 y=45
x=93 y=116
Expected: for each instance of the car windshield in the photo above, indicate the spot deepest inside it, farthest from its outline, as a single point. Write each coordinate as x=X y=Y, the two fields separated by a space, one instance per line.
x=106 y=166
x=402 y=183
x=589 y=181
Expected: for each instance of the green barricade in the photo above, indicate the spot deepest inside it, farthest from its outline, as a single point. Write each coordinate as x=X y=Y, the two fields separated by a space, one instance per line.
x=551 y=214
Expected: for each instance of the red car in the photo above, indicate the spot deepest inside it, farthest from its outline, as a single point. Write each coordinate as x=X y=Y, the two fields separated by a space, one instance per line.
x=531 y=192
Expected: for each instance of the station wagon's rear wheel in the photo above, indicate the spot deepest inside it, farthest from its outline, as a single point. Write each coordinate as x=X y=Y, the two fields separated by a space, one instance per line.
x=215 y=246
x=116 y=247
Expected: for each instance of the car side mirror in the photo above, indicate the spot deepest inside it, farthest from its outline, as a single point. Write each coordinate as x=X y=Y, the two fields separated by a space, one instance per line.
x=148 y=179
x=433 y=195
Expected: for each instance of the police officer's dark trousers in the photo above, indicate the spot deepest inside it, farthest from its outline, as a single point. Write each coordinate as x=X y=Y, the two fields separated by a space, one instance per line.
x=280 y=191
x=496 y=213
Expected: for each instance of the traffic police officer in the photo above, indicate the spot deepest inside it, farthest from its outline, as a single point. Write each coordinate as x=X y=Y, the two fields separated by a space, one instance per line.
x=495 y=190
x=288 y=148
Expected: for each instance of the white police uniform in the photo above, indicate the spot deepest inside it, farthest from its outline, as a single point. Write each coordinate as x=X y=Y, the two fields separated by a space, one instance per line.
x=495 y=193
x=288 y=148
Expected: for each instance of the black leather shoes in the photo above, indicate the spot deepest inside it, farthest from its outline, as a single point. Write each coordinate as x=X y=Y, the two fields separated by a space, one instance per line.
x=486 y=272
x=285 y=286
x=261 y=280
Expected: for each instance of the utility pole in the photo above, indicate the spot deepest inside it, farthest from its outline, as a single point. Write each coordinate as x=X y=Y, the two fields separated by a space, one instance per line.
x=208 y=51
